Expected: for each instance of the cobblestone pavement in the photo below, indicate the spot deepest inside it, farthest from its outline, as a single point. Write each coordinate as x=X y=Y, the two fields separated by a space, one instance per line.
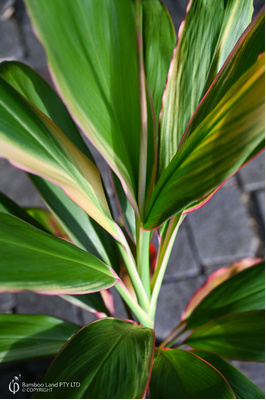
x=226 y=229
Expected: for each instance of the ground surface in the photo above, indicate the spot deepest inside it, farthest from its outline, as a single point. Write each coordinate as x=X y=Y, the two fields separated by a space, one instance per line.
x=228 y=228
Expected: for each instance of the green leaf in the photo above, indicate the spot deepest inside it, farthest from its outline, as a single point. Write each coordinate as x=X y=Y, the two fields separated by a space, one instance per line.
x=25 y=337
x=241 y=385
x=80 y=227
x=215 y=150
x=127 y=212
x=246 y=52
x=244 y=55
x=8 y=206
x=179 y=374
x=237 y=336
x=47 y=220
x=35 y=89
x=158 y=42
x=205 y=38
x=92 y=302
x=97 y=73
x=214 y=280
x=111 y=358
x=244 y=291
x=237 y=16
x=33 y=142
x=38 y=261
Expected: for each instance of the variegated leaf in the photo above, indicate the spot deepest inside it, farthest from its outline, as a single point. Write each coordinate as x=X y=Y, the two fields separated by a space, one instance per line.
x=205 y=38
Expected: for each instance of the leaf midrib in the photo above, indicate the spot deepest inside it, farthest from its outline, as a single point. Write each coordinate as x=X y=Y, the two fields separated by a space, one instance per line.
x=115 y=345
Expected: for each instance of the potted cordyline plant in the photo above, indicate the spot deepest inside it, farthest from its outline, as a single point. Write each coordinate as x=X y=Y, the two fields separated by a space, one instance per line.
x=174 y=119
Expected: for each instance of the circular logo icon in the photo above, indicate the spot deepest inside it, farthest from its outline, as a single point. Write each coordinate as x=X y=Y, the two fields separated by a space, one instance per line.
x=14 y=385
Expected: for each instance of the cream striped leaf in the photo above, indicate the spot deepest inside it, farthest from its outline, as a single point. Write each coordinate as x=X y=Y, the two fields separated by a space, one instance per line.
x=97 y=73
x=205 y=38
x=31 y=141
x=215 y=150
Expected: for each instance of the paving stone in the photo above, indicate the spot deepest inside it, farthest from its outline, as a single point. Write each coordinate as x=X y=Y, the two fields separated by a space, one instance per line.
x=120 y=311
x=172 y=300
x=10 y=45
x=16 y=185
x=35 y=55
x=182 y=263
x=252 y=175
x=258 y=4
x=35 y=367
x=177 y=10
x=6 y=9
x=7 y=302
x=222 y=229
x=32 y=303
x=259 y=206
x=87 y=317
x=253 y=370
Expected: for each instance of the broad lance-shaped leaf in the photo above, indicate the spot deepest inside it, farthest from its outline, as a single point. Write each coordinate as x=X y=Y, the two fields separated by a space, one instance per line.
x=82 y=229
x=239 y=336
x=25 y=337
x=34 y=260
x=244 y=291
x=250 y=45
x=215 y=150
x=96 y=72
x=241 y=385
x=92 y=302
x=179 y=374
x=126 y=210
x=8 y=206
x=246 y=52
x=110 y=358
x=48 y=220
x=214 y=280
x=31 y=141
x=158 y=44
x=205 y=38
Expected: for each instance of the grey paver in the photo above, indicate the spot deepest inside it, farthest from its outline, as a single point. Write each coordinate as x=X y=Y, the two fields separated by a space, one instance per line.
x=32 y=303
x=252 y=175
x=222 y=229
x=177 y=10
x=11 y=47
x=172 y=300
x=259 y=206
x=16 y=185
x=119 y=309
x=6 y=9
x=258 y=4
x=35 y=55
x=182 y=263
x=7 y=302
x=87 y=317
